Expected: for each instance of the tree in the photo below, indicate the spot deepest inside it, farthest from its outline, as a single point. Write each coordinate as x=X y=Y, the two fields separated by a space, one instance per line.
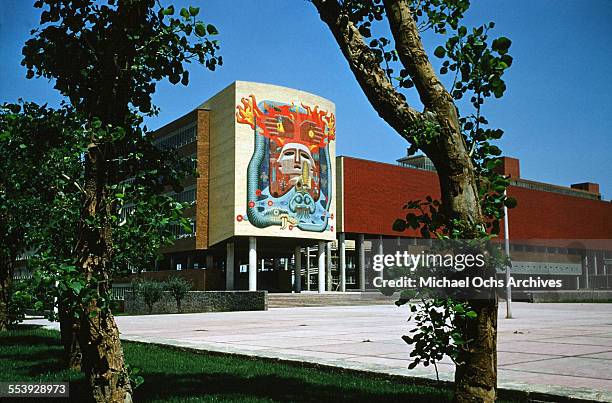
x=151 y=292
x=472 y=194
x=178 y=287
x=105 y=57
x=42 y=168
x=39 y=149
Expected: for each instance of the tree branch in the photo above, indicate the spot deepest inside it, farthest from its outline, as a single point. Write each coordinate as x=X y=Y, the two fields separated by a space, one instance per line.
x=390 y=104
x=412 y=55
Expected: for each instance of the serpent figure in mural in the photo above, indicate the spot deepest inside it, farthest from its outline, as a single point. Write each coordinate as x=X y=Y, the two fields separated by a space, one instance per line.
x=289 y=181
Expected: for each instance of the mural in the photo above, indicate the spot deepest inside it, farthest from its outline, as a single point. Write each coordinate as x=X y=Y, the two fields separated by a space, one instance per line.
x=289 y=178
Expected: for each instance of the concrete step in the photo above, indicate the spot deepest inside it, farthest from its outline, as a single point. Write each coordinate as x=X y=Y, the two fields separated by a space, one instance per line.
x=309 y=298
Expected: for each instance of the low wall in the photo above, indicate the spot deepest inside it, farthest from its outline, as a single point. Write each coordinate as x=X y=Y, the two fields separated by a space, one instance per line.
x=200 y=301
x=200 y=279
x=572 y=296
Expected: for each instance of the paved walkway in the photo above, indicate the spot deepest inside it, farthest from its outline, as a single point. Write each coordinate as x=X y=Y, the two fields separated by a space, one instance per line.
x=553 y=348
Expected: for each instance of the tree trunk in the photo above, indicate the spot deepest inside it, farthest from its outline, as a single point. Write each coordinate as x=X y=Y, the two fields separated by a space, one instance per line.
x=6 y=275
x=476 y=376
x=69 y=335
x=476 y=373
x=103 y=361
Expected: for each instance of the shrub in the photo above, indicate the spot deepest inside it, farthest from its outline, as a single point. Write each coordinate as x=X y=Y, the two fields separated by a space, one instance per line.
x=151 y=291
x=20 y=301
x=178 y=287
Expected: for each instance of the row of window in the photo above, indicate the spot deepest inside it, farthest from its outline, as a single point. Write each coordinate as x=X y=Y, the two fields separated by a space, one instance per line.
x=186 y=196
x=418 y=162
x=180 y=232
x=543 y=249
x=553 y=189
x=181 y=137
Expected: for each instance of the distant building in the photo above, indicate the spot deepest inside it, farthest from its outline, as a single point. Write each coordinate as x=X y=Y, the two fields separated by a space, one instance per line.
x=417 y=161
x=275 y=209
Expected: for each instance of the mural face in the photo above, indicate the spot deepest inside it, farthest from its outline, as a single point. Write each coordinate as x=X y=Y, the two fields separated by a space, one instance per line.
x=289 y=181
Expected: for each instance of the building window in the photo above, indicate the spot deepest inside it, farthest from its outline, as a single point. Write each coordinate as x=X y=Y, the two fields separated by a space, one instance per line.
x=188 y=195
x=178 y=138
x=180 y=232
x=418 y=162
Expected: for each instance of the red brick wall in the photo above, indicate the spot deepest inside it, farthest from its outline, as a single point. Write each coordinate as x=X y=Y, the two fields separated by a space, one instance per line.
x=374 y=194
x=203 y=167
x=510 y=167
x=547 y=215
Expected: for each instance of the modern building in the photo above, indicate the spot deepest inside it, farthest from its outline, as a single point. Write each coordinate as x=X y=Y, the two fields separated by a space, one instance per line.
x=274 y=208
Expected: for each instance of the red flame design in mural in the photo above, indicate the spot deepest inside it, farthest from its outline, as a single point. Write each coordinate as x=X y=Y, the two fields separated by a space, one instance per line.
x=286 y=124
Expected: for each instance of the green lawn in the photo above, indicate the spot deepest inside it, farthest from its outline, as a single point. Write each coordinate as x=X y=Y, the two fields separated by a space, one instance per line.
x=33 y=354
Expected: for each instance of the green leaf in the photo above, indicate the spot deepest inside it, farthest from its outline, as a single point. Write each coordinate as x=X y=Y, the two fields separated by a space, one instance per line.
x=507 y=59
x=501 y=45
x=440 y=52
x=185 y=79
x=471 y=314
x=185 y=13
x=169 y=10
x=76 y=287
x=194 y=11
x=200 y=29
x=510 y=202
x=212 y=30
x=399 y=225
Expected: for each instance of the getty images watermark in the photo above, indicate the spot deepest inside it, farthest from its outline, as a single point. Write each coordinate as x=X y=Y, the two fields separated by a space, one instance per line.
x=453 y=263
x=472 y=268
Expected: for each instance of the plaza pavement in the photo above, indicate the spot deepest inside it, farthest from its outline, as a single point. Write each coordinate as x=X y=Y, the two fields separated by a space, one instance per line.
x=550 y=348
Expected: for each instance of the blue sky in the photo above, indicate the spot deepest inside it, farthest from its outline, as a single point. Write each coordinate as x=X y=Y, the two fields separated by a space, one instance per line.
x=557 y=112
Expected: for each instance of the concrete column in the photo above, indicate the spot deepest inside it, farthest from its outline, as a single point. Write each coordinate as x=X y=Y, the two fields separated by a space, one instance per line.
x=596 y=281
x=252 y=263
x=342 y=260
x=586 y=269
x=328 y=265
x=297 y=286
x=605 y=270
x=361 y=264
x=321 y=259
x=308 y=269
x=229 y=267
